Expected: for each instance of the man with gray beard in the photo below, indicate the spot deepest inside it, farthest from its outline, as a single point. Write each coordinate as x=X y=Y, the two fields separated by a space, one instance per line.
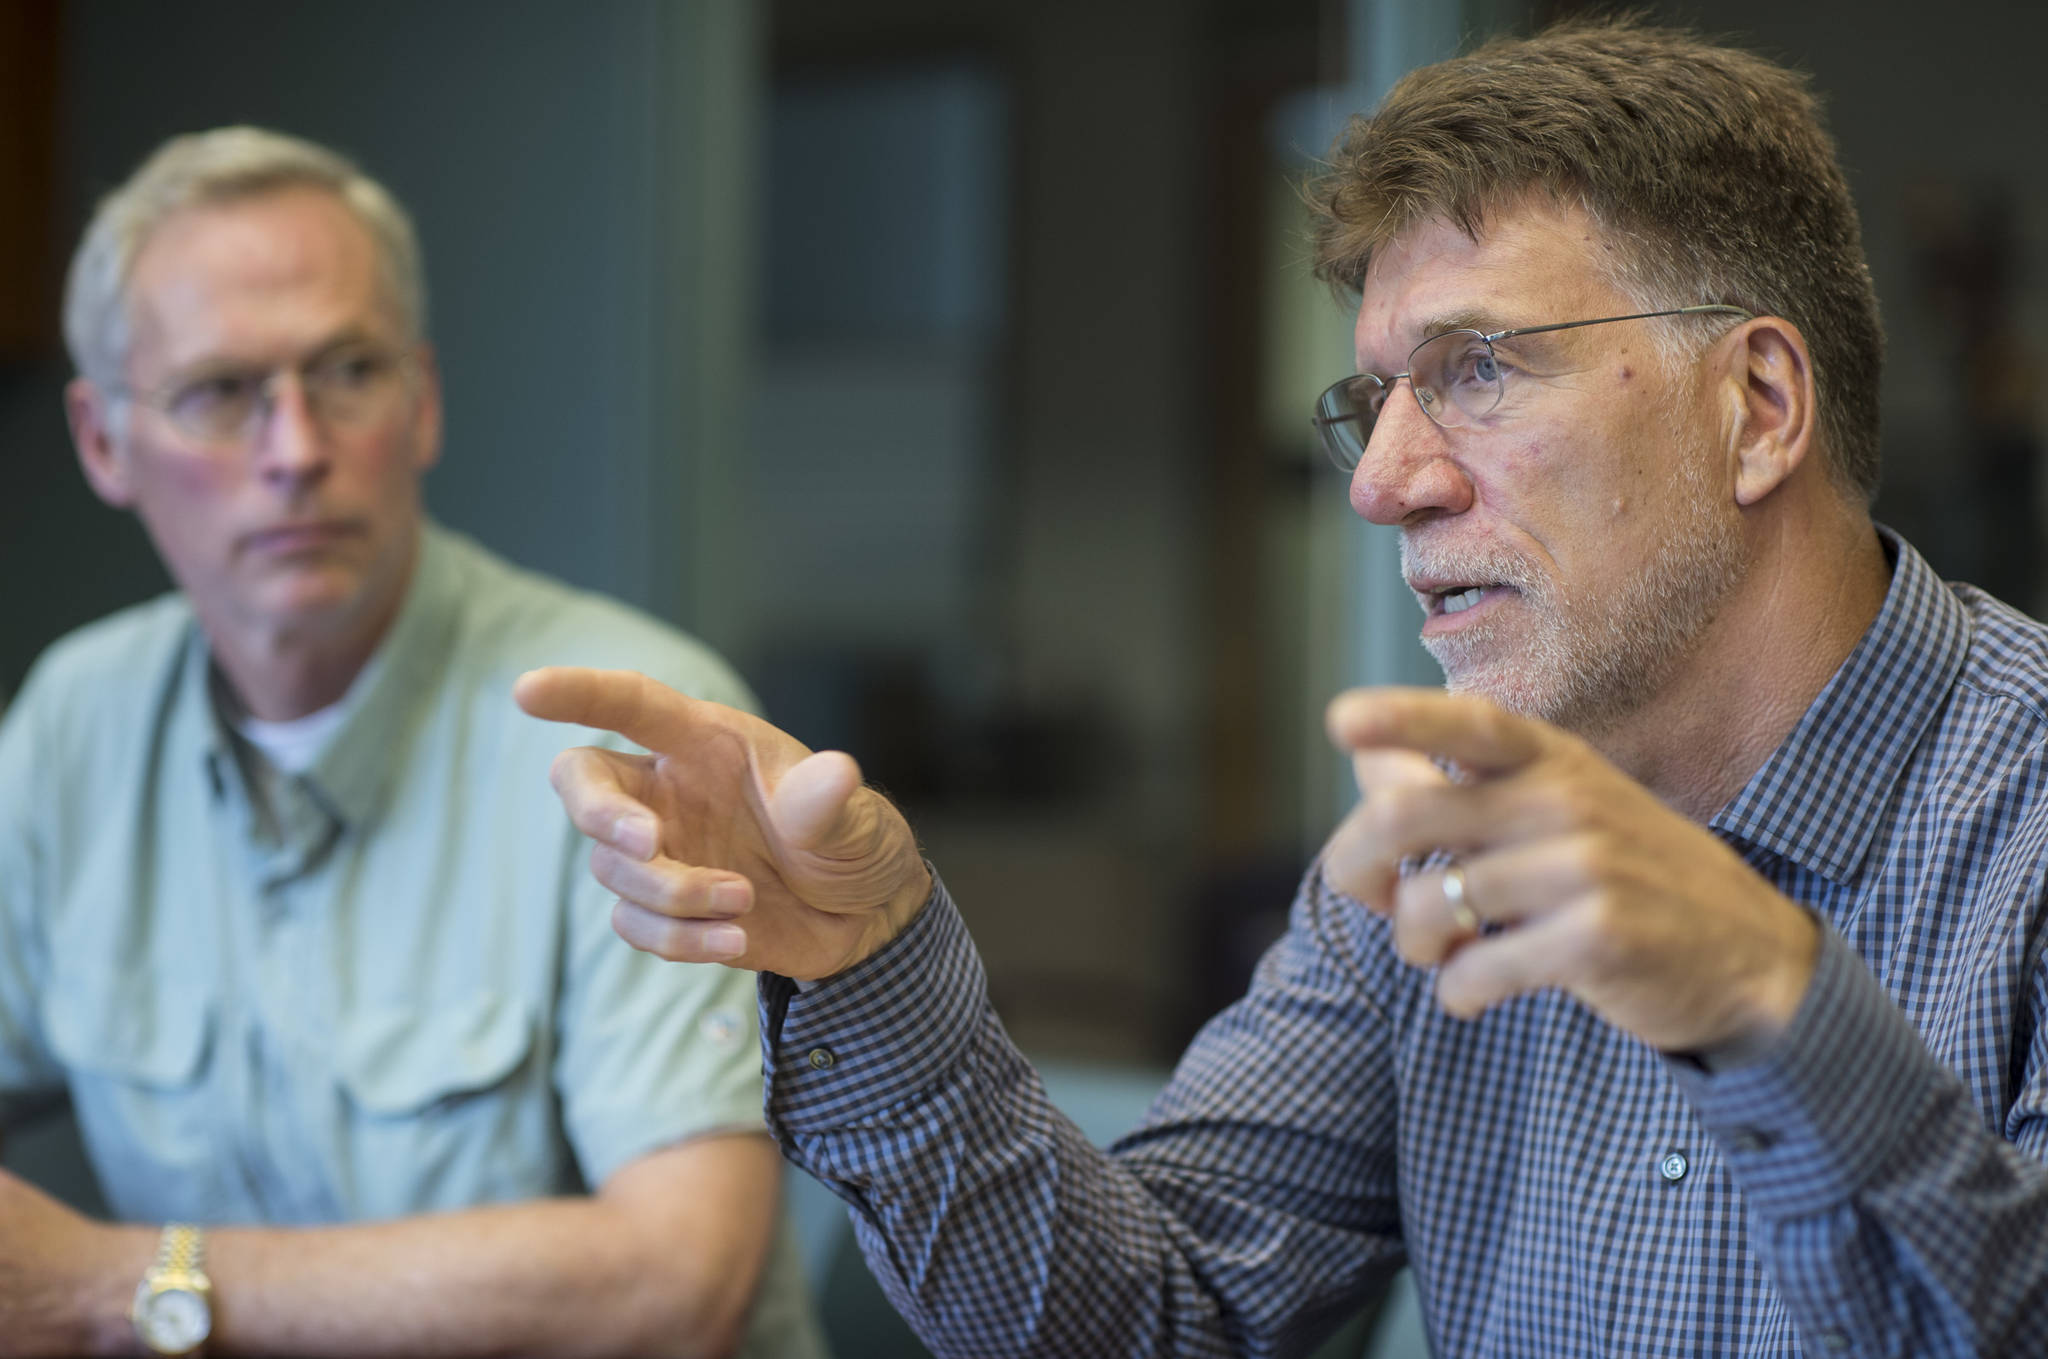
x=1677 y=987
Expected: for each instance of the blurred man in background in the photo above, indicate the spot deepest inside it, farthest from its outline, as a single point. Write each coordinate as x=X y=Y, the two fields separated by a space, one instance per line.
x=285 y=911
x=1698 y=1007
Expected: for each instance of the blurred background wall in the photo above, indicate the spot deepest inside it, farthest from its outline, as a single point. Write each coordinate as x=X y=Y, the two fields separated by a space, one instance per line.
x=947 y=363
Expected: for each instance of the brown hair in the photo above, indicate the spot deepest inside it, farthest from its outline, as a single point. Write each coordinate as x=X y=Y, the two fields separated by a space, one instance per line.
x=1708 y=167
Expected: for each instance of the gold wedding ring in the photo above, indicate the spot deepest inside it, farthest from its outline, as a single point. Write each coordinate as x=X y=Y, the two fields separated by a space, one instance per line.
x=1462 y=914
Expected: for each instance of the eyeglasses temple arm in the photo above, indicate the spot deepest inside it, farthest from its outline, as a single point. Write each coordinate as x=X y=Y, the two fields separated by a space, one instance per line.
x=1701 y=310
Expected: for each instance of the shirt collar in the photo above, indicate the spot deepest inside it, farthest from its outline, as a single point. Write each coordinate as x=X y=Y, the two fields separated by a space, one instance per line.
x=1820 y=799
x=355 y=769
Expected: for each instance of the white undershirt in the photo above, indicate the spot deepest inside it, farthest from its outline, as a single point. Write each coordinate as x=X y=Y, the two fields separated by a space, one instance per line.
x=290 y=747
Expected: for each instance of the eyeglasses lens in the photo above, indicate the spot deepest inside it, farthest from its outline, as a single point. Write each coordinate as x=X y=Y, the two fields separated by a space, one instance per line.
x=1345 y=416
x=342 y=389
x=216 y=408
x=1456 y=378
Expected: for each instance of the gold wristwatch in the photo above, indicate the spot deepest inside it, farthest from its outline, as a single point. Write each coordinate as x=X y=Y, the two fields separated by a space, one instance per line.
x=173 y=1309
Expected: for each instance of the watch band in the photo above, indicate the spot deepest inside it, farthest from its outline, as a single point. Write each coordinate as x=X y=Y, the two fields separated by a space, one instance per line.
x=180 y=1250
x=179 y=1270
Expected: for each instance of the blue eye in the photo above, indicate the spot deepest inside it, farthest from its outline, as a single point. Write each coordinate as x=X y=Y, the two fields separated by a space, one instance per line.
x=1475 y=366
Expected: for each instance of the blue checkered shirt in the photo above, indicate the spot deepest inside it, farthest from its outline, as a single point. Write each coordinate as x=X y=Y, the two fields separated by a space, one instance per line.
x=1874 y=1185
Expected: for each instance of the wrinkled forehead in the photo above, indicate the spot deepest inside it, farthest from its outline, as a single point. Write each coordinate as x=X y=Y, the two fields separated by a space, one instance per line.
x=1528 y=264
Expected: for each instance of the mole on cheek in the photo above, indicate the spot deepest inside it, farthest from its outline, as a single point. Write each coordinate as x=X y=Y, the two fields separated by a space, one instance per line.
x=1620 y=506
x=1627 y=372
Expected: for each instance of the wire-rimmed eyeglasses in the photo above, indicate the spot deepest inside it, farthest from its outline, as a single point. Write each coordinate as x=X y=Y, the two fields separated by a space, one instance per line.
x=1456 y=377
x=223 y=407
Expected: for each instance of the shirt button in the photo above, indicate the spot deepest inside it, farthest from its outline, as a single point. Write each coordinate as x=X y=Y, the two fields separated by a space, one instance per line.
x=1673 y=1166
x=1834 y=1342
x=822 y=1058
x=1749 y=1140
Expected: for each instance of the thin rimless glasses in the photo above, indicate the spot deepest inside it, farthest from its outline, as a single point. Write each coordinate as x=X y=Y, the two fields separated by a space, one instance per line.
x=1456 y=377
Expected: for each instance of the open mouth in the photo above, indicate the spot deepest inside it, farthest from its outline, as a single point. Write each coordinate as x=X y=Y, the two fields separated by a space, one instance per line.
x=1441 y=601
x=1450 y=580
x=1459 y=600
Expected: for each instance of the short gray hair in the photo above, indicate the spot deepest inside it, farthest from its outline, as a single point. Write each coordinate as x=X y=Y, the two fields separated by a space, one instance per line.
x=1709 y=168
x=220 y=166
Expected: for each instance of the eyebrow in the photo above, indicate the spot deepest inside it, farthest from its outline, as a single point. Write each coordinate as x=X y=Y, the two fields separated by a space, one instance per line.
x=1486 y=323
x=213 y=365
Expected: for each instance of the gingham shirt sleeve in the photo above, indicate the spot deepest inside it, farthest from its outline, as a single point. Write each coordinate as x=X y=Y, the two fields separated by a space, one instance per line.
x=1246 y=1216
x=1885 y=1208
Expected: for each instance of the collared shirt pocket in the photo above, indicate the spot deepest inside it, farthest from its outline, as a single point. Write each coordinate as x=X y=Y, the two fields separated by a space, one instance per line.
x=138 y=1050
x=446 y=1105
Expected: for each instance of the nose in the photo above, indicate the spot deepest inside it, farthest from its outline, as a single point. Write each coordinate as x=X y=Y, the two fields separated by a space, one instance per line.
x=291 y=444
x=1407 y=468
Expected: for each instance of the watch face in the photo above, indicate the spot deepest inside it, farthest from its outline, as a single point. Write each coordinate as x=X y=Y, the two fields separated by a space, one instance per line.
x=176 y=1320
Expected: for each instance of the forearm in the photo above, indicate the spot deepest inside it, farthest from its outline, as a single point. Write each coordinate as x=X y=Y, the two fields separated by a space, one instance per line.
x=618 y=1273
x=999 y=1230
x=975 y=1198
x=1886 y=1209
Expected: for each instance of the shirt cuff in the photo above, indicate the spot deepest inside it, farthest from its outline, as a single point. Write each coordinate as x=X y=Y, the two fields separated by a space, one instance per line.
x=1815 y=1119
x=842 y=1050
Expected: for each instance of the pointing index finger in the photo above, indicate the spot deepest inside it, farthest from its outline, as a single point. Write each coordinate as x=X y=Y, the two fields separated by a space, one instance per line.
x=1465 y=728
x=647 y=713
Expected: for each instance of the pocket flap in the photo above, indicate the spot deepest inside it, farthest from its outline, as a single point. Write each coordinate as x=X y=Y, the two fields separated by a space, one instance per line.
x=137 y=1028
x=398 y=1059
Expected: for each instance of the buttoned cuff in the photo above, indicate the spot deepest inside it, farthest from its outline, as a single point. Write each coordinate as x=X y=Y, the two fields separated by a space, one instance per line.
x=1816 y=1118
x=842 y=1050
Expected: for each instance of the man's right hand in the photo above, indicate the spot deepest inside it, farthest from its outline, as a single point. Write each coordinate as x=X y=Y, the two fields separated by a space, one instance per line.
x=730 y=842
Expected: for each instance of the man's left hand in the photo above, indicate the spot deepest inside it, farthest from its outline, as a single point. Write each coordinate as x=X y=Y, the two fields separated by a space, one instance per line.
x=1597 y=886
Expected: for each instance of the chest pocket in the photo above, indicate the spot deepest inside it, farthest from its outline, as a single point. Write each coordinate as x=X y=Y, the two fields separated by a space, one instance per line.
x=146 y=1033
x=137 y=1052
x=450 y=1105
x=401 y=1061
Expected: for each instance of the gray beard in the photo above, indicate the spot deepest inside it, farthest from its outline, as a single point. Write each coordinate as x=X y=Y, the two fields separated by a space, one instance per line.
x=1593 y=663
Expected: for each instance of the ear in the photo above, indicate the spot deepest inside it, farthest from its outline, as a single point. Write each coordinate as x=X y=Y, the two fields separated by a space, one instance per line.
x=1768 y=385
x=427 y=410
x=100 y=455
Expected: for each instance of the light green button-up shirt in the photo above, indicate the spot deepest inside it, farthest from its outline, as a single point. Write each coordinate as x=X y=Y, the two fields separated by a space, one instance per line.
x=398 y=991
